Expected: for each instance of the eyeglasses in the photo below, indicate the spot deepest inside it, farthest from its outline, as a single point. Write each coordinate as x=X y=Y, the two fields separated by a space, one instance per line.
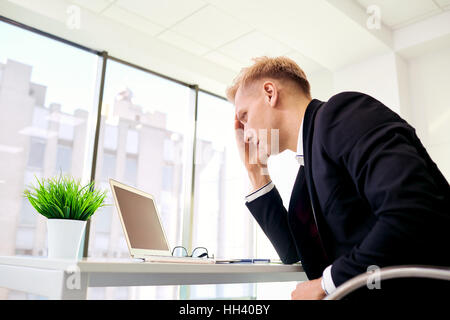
x=198 y=252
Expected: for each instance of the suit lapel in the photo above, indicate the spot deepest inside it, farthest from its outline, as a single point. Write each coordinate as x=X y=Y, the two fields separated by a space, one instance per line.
x=307 y=120
x=308 y=133
x=302 y=220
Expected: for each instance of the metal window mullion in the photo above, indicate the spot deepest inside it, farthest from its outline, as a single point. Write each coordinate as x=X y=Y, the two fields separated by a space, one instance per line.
x=104 y=55
x=194 y=153
x=188 y=214
x=189 y=199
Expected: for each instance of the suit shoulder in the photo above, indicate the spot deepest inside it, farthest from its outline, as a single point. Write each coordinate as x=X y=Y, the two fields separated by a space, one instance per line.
x=348 y=115
x=346 y=96
x=355 y=109
x=343 y=102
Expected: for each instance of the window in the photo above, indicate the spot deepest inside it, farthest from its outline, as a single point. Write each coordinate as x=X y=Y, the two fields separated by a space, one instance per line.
x=36 y=154
x=63 y=158
x=167 y=178
x=45 y=105
x=24 y=239
x=130 y=175
x=141 y=112
x=27 y=215
x=111 y=132
x=222 y=223
x=108 y=166
x=133 y=142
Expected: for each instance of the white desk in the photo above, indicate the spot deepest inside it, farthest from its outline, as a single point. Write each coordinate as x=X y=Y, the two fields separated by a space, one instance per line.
x=67 y=279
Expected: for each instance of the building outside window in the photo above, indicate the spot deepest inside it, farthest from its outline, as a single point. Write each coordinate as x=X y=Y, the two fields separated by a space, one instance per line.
x=45 y=106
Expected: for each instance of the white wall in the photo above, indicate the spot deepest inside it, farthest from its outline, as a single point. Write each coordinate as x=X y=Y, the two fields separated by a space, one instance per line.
x=429 y=84
x=376 y=76
x=321 y=82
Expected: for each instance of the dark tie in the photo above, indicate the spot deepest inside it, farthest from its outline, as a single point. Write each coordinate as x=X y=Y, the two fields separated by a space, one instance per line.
x=304 y=229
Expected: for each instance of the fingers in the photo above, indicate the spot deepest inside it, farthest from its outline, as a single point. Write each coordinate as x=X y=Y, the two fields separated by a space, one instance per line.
x=237 y=123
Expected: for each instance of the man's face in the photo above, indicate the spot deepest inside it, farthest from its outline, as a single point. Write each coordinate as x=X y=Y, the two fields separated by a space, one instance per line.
x=257 y=117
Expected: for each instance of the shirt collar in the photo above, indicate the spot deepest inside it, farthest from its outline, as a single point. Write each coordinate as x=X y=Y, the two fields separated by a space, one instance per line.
x=299 y=153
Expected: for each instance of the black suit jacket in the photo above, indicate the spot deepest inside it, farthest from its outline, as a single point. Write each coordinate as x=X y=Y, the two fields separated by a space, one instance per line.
x=378 y=197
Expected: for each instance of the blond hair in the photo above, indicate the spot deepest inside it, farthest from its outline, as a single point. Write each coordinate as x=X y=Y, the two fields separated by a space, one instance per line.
x=275 y=68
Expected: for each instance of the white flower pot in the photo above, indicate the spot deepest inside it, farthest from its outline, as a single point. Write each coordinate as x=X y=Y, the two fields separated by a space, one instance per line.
x=64 y=238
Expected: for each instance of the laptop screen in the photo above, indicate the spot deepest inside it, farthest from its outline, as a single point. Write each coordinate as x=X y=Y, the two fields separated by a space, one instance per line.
x=141 y=221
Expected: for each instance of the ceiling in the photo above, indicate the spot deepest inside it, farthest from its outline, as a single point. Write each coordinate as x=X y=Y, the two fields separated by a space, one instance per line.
x=401 y=13
x=216 y=38
x=229 y=33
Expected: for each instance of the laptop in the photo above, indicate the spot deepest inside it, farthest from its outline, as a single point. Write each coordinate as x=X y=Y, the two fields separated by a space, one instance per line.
x=144 y=232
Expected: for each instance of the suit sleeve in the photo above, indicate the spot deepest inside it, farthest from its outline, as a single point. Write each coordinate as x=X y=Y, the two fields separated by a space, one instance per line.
x=271 y=215
x=383 y=159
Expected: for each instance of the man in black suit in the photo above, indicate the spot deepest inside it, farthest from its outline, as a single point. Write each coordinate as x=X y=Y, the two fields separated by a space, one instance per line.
x=367 y=194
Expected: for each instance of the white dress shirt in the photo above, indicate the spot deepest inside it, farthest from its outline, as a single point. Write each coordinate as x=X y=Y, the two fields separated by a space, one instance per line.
x=327 y=281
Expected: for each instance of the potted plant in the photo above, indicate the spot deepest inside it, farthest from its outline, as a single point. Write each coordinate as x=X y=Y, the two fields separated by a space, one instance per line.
x=67 y=205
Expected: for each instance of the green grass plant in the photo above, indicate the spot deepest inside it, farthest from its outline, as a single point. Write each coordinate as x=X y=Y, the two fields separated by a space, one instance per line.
x=65 y=198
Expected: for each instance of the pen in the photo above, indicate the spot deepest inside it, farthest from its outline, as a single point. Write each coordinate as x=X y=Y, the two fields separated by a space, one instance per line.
x=251 y=261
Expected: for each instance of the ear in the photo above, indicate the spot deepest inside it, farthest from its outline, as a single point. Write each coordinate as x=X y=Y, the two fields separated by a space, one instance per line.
x=270 y=93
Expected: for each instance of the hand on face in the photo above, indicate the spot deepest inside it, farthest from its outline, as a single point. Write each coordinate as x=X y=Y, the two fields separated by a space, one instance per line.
x=252 y=150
